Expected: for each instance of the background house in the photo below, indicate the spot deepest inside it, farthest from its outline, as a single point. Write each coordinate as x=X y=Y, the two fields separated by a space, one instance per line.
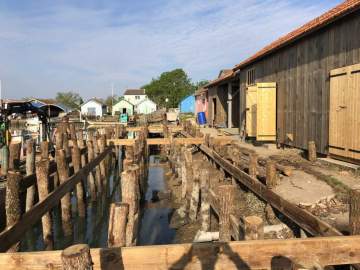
x=123 y=106
x=135 y=96
x=187 y=105
x=146 y=106
x=93 y=107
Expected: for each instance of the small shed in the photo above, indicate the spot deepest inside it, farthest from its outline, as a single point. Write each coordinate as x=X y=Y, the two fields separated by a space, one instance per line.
x=123 y=107
x=146 y=106
x=201 y=101
x=187 y=105
x=93 y=107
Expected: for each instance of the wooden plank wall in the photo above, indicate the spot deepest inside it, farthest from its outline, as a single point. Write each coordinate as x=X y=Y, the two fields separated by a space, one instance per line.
x=301 y=71
x=220 y=93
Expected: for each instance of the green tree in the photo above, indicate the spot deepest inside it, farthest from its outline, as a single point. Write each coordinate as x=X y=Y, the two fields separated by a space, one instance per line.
x=172 y=86
x=70 y=99
x=201 y=83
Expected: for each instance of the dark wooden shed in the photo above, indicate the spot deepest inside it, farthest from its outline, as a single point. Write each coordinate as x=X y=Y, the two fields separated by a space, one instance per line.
x=300 y=64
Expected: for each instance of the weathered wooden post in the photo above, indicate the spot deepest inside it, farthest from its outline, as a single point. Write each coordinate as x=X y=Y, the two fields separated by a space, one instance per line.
x=103 y=163
x=42 y=177
x=253 y=228
x=72 y=132
x=12 y=202
x=354 y=215
x=63 y=171
x=128 y=193
x=76 y=161
x=253 y=165
x=271 y=175
x=14 y=156
x=30 y=169
x=194 y=203
x=311 y=151
x=66 y=146
x=187 y=171
x=117 y=224
x=226 y=195
x=59 y=139
x=4 y=159
x=97 y=169
x=205 y=204
x=77 y=257
x=91 y=178
x=44 y=147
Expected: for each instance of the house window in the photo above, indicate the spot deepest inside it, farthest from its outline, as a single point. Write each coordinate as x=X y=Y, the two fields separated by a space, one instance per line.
x=250 y=77
x=137 y=97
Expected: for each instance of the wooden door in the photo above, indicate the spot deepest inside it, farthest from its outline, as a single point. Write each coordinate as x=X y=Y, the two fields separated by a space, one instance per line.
x=266 y=112
x=251 y=107
x=344 y=114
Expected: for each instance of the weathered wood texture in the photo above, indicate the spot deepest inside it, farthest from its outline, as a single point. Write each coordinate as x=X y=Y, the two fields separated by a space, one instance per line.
x=258 y=254
x=301 y=71
x=14 y=233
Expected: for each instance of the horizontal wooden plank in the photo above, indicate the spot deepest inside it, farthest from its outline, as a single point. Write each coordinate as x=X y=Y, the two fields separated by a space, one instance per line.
x=158 y=141
x=13 y=234
x=125 y=142
x=303 y=218
x=256 y=254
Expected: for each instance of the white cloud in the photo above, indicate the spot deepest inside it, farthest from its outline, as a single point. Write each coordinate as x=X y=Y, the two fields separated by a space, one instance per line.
x=87 y=49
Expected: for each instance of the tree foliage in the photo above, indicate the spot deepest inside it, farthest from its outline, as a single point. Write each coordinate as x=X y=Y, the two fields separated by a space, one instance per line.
x=70 y=99
x=172 y=85
x=110 y=101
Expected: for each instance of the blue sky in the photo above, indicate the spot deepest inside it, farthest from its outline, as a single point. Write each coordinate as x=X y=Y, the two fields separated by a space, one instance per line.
x=86 y=46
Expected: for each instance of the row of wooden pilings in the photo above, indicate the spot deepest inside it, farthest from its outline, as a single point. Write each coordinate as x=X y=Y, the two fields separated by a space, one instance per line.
x=49 y=173
x=199 y=199
x=124 y=216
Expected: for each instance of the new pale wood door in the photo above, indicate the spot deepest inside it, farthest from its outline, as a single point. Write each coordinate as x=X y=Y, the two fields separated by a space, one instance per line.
x=266 y=112
x=344 y=114
x=251 y=108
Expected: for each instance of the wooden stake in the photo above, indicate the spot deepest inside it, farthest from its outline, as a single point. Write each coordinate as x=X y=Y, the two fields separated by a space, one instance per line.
x=311 y=151
x=72 y=132
x=97 y=169
x=205 y=204
x=63 y=171
x=254 y=228
x=14 y=156
x=5 y=159
x=30 y=169
x=103 y=163
x=194 y=203
x=117 y=224
x=253 y=165
x=226 y=195
x=42 y=177
x=76 y=161
x=12 y=202
x=187 y=175
x=354 y=216
x=59 y=139
x=128 y=195
x=44 y=147
x=77 y=257
x=91 y=178
x=66 y=146
x=271 y=176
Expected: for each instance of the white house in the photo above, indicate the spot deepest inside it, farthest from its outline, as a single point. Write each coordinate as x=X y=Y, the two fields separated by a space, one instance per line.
x=146 y=106
x=135 y=96
x=123 y=106
x=93 y=107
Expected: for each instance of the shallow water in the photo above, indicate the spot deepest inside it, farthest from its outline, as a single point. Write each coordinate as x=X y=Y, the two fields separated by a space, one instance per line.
x=92 y=230
x=154 y=224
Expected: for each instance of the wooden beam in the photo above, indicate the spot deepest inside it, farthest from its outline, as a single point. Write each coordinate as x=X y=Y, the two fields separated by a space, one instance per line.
x=302 y=218
x=255 y=254
x=14 y=233
x=126 y=142
x=158 y=141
